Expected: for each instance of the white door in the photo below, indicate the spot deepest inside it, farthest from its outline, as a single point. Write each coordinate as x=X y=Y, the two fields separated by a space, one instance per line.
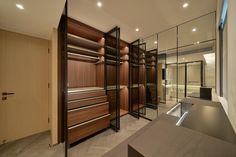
x=24 y=72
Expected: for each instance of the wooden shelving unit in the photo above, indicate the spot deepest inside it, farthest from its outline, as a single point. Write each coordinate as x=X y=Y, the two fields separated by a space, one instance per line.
x=87 y=106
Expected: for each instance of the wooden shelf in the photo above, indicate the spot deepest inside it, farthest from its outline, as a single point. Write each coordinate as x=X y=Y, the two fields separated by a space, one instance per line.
x=123 y=112
x=83 y=51
x=135 y=106
x=82 y=42
x=151 y=84
x=80 y=57
x=114 y=87
x=84 y=89
x=137 y=85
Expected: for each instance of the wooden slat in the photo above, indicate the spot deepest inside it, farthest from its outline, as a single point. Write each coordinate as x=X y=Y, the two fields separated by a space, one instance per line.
x=86 y=102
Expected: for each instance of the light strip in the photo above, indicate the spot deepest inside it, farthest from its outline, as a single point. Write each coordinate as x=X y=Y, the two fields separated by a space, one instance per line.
x=181 y=119
x=173 y=109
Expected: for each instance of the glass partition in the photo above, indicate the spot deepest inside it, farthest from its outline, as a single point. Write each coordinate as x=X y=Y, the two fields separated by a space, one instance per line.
x=197 y=31
x=167 y=67
x=196 y=55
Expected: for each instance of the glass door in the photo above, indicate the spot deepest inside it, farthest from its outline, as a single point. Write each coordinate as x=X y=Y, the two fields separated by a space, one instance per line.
x=112 y=75
x=134 y=99
x=142 y=78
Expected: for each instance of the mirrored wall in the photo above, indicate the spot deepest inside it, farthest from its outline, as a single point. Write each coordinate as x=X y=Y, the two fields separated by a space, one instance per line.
x=185 y=60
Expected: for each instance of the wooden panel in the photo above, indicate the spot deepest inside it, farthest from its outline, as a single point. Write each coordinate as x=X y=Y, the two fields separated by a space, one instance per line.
x=111 y=75
x=124 y=99
x=84 y=95
x=87 y=113
x=87 y=129
x=86 y=102
x=100 y=75
x=112 y=98
x=81 y=74
x=83 y=30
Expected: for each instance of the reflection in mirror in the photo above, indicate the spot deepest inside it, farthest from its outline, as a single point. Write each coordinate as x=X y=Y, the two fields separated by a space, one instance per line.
x=196 y=31
x=167 y=69
x=196 y=68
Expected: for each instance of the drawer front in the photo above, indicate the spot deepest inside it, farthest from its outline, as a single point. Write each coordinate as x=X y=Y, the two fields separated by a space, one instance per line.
x=84 y=95
x=88 y=128
x=87 y=113
x=86 y=102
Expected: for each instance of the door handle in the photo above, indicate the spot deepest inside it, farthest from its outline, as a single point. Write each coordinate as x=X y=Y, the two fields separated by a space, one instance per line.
x=7 y=93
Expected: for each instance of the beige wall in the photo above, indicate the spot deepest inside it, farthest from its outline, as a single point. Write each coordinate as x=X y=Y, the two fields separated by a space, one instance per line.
x=24 y=71
x=53 y=101
x=231 y=62
x=228 y=100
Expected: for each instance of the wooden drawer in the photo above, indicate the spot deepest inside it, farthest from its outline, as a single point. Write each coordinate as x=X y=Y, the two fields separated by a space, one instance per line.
x=85 y=129
x=86 y=102
x=84 y=95
x=83 y=114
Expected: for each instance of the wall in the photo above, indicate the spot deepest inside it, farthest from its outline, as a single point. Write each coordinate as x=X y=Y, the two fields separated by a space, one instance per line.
x=53 y=78
x=231 y=62
x=24 y=71
x=229 y=80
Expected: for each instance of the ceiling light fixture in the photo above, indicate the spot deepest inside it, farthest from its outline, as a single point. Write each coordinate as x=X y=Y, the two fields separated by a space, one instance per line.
x=185 y=5
x=194 y=29
x=99 y=4
x=155 y=42
x=137 y=29
x=20 y=6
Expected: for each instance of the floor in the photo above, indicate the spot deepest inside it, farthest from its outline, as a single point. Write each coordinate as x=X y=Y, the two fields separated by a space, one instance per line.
x=38 y=145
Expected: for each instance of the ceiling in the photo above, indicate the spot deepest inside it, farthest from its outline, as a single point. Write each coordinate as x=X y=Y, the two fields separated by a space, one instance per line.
x=37 y=19
x=149 y=16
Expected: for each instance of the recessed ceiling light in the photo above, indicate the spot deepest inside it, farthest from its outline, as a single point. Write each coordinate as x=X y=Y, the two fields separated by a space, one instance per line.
x=99 y=4
x=194 y=29
x=198 y=42
x=137 y=29
x=185 y=5
x=155 y=42
x=20 y=6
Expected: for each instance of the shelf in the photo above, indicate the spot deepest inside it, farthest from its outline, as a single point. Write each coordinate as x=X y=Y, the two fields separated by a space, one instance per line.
x=151 y=84
x=137 y=85
x=82 y=57
x=84 y=89
x=112 y=62
x=135 y=106
x=82 y=42
x=114 y=87
x=123 y=112
x=83 y=51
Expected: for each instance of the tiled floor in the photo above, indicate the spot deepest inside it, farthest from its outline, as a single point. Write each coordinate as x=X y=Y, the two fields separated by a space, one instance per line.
x=38 y=145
